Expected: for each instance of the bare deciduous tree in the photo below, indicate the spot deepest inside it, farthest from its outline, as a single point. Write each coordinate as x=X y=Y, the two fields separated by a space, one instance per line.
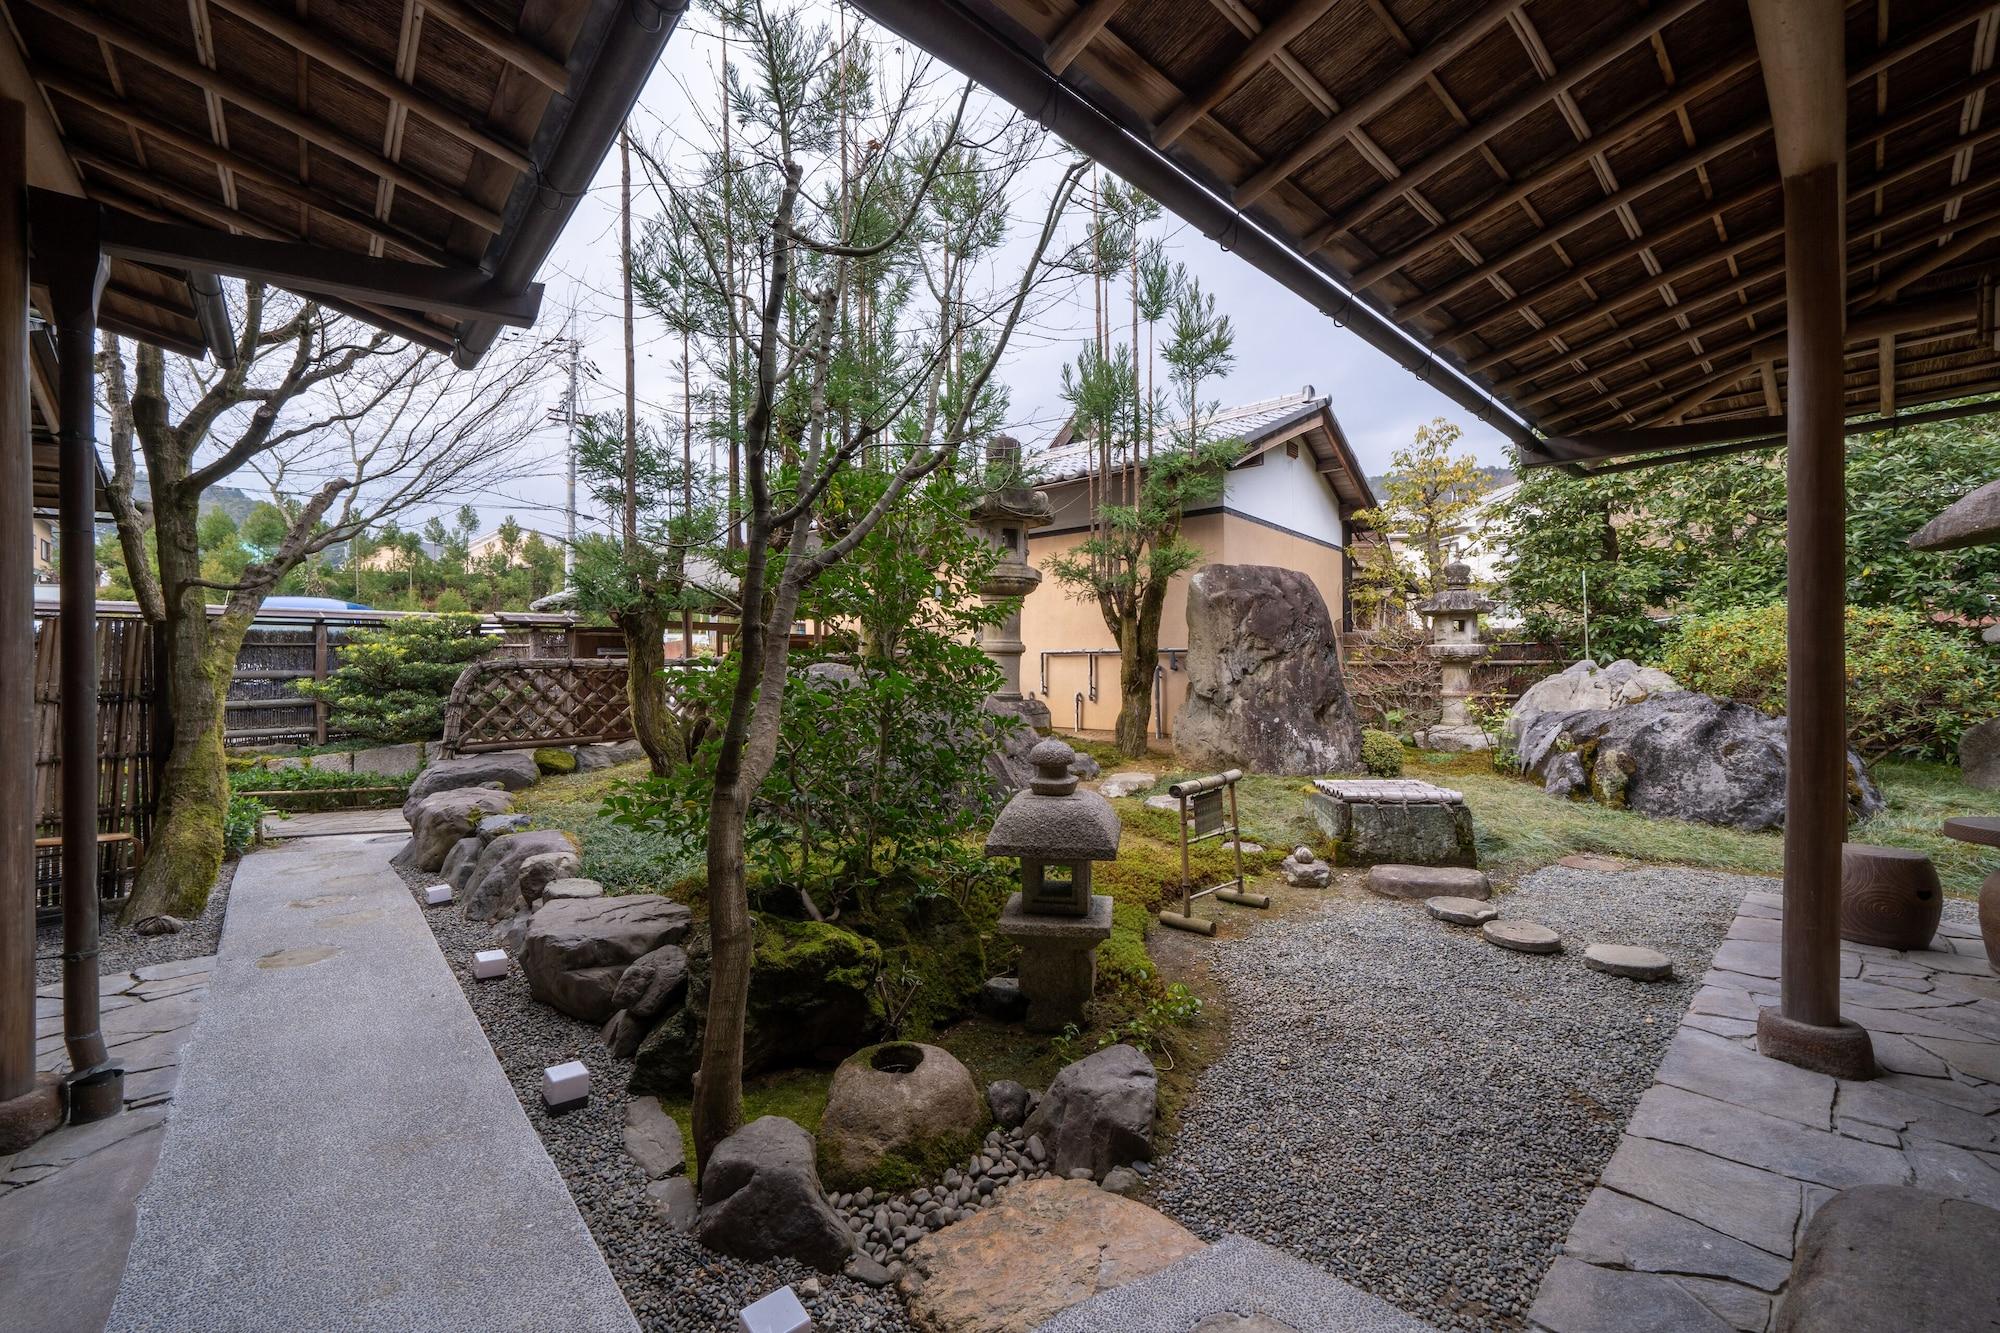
x=345 y=427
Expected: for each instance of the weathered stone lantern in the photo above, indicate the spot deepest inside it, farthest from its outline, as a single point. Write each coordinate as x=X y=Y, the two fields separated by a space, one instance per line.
x=1004 y=516
x=1057 y=832
x=1456 y=644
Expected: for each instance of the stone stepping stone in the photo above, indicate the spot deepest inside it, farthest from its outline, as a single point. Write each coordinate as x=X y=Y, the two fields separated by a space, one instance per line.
x=1628 y=960
x=1597 y=861
x=1461 y=911
x=1428 y=882
x=1522 y=936
x=1163 y=802
x=1128 y=783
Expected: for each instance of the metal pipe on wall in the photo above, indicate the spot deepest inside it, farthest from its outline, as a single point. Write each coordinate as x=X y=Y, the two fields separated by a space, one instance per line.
x=69 y=262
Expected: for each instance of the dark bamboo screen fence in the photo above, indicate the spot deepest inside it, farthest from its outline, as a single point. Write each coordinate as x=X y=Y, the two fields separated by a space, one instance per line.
x=129 y=746
x=520 y=703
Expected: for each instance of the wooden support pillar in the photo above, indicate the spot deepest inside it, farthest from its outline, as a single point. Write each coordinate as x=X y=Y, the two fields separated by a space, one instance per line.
x=70 y=263
x=1801 y=44
x=29 y=1107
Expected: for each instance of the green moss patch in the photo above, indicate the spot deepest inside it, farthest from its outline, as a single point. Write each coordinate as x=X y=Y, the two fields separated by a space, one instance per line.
x=555 y=762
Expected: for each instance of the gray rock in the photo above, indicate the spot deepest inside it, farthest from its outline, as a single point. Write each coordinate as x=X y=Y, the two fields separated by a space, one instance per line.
x=1163 y=802
x=901 y=1100
x=867 y=1272
x=593 y=758
x=512 y=933
x=1000 y=998
x=1979 y=755
x=761 y=1199
x=1461 y=911
x=1393 y=881
x=1522 y=936
x=1971 y=520
x=571 y=888
x=1586 y=685
x=1890 y=1256
x=674 y=1202
x=510 y=769
x=1627 y=960
x=1681 y=756
x=576 y=950
x=652 y=982
x=1265 y=691
x=161 y=924
x=1008 y=1101
x=543 y=869
x=459 y=861
x=493 y=886
x=1124 y=784
x=439 y=822
x=653 y=1138
x=1098 y=1112
x=1122 y=1180
x=1303 y=870
x=622 y=1032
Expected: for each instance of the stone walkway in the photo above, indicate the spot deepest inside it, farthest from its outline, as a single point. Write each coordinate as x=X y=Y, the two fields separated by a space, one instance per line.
x=332 y=824
x=344 y=1151
x=1729 y=1154
x=67 y=1202
x=1236 y=1285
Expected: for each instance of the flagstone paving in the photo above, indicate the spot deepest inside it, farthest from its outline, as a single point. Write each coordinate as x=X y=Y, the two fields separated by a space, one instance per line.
x=68 y=1201
x=1728 y=1155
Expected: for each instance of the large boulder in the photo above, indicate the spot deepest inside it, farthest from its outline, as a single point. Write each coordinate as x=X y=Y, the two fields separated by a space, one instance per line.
x=898 y=1113
x=1892 y=1256
x=510 y=769
x=1979 y=755
x=493 y=887
x=439 y=822
x=812 y=1000
x=577 y=949
x=1098 y=1113
x=1044 y=1246
x=1587 y=686
x=1681 y=756
x=761 y=1199
x=1265 y=691
x=594 y=758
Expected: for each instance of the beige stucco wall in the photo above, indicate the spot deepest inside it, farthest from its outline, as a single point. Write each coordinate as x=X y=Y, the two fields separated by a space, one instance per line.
x=1052 y=619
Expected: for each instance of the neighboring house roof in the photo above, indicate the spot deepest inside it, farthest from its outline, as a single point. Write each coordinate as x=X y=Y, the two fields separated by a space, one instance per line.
x=492 y=538
x=1260 y=425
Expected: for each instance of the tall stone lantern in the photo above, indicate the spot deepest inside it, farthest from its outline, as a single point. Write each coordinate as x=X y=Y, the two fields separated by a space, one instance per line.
x=1004 y=516
x=1057 y=831
x=1453 y=618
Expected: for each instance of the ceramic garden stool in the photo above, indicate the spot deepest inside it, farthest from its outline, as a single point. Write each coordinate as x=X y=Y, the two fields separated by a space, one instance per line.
x=1889 y=897
x=1985 y=831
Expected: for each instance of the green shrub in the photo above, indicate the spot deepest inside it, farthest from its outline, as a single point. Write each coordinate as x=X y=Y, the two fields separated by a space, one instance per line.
x=240 y=824
x=1381 y=754
x=302 y=778
x=1912 y=687
x=392 y=682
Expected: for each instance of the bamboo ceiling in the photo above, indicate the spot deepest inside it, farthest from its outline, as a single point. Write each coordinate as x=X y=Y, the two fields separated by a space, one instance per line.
x=1573 y=203
x=413 y=130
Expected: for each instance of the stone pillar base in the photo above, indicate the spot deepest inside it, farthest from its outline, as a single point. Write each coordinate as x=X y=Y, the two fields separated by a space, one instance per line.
x=34 y=1113
x=1058 y=959
x=1837 y=1052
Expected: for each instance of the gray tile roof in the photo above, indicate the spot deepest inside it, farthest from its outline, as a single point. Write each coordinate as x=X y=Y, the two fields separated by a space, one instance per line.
x=1249 y=422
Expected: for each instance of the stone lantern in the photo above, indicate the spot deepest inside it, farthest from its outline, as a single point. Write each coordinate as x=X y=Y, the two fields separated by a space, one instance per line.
x=1453 y=618
x=1004 y=516
x=1057 y=832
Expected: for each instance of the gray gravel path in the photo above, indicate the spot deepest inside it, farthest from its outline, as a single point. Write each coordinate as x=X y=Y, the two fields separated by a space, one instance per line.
x=1420 y=1112
x=671 y=1282
x=122 y=950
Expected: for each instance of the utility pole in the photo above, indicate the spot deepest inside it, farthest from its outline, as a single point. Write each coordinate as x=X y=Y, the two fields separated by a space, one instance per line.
x=631 y=392
x=569 y=421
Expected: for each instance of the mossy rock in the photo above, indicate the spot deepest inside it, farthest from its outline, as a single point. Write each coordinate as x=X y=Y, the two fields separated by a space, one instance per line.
x=898 y=1115
x=555 y=762
x=812 y=1000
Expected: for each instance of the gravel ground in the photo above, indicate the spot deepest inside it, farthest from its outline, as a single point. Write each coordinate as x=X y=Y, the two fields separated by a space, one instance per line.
x=671 y=1282
x=120 y=950
x=1421 y=1112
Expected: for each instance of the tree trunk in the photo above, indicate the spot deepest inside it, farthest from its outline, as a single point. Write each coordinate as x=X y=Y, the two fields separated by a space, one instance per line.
x=1135 y=686
x=658 y=731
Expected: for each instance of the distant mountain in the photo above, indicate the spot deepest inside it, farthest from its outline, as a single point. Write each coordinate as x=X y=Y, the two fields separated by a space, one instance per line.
x=1491 y=478
x=231 y=501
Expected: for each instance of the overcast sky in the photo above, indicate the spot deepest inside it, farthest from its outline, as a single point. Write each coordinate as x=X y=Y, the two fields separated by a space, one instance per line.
x=1282 y=344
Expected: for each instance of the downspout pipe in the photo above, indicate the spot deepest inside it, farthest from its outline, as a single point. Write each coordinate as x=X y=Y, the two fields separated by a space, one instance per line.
x=630 y=47
x=67 y=259
x=962 y=40
x=211 y=311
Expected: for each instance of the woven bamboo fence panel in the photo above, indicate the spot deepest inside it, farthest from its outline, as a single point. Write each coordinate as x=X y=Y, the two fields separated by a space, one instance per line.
x=521 y=703
x=127 y=755
x=1389 y=671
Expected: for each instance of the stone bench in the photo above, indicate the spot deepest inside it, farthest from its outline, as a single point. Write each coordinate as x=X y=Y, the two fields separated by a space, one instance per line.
x=1400 y=821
